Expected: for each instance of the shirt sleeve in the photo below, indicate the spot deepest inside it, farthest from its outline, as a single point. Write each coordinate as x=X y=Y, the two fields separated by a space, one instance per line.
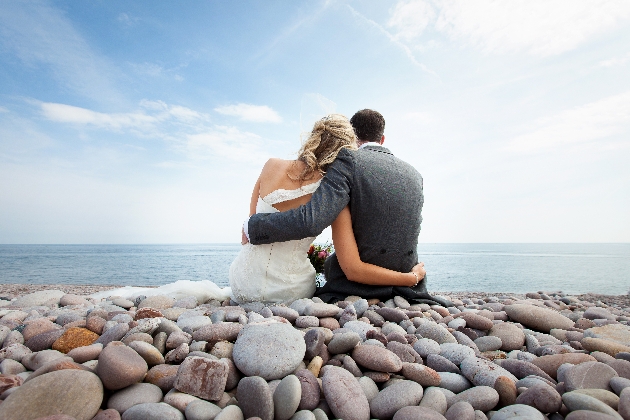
x=312 y=218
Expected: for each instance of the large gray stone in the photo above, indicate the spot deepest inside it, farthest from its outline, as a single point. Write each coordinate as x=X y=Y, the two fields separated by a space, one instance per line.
x=589 y=375
x=40 y=298
x=537 y=318
x=76 y=393
x=270 y=351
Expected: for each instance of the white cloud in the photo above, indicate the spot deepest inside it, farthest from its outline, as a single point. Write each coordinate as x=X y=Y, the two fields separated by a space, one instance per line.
x=3 y=109
x=229 y=142
x=75 y=115
x=539 y=27
x=411 y=18
x=187 y=130
x=394 y=40
x=160 y=112
x=615 y=61
x=597 y=120
x=149 y=69
x=247 y=112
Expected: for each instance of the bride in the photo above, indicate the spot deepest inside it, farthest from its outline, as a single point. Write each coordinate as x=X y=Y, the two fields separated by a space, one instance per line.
x=281 y=272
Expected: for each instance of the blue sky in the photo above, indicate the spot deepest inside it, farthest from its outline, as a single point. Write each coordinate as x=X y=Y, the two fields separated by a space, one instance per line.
x=148 y=122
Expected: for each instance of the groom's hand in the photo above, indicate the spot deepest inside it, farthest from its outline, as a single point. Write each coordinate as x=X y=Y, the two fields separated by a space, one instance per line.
x=244 y=239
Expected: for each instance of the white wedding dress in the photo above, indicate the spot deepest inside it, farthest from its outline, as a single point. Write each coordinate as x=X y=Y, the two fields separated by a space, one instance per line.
x=279 y=272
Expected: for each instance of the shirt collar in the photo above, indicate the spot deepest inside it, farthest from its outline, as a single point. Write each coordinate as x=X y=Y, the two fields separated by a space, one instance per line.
x=370 y=143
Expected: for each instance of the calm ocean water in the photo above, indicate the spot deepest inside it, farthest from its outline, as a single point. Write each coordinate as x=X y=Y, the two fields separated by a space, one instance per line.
x=517 y=268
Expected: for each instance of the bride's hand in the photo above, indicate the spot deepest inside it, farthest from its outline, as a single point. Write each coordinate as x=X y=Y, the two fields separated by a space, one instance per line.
x=419 y=271
x=244 y=239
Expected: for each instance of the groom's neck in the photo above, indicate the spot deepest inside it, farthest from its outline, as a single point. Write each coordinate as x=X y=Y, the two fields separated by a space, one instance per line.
x=361 y=143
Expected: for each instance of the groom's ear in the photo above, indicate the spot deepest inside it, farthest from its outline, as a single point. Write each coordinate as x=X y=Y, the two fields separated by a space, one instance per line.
x=382 y=139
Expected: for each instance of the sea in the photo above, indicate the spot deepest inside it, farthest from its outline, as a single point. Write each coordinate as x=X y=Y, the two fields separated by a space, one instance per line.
x=483 y=267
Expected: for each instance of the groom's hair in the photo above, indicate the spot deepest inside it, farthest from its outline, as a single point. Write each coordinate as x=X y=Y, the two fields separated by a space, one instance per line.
x=368 y=125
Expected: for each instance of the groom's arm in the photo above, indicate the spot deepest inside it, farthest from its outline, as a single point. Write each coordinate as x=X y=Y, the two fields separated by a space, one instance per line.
x=312 y=218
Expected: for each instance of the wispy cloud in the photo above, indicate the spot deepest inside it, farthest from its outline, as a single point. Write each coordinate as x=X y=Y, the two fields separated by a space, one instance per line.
x=616 y=61
x=594 y=121
x=248 y=112
x=188 y=131
x=40 y=34
x=538 y=27
x=394 y=40
x=76 y=115
x=289 y=31
x=228 y=142
x=3 y=109
x=125 y=19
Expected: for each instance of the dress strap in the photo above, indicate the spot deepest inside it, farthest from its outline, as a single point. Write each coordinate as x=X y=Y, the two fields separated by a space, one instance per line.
x=280 y=195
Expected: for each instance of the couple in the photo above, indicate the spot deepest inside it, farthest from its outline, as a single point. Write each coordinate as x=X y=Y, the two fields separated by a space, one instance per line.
x=344 y=178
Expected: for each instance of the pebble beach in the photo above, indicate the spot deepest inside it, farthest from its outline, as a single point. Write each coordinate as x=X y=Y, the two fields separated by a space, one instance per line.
x=542 y=355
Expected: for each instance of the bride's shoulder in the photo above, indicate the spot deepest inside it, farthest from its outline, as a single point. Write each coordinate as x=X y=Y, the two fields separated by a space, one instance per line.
x=275 y=164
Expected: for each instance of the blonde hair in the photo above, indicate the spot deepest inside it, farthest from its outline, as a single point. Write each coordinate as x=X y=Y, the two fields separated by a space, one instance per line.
x=330 y=134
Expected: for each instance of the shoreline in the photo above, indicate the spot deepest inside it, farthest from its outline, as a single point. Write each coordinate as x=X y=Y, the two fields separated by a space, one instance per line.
x=14 y=290
x=198 y=355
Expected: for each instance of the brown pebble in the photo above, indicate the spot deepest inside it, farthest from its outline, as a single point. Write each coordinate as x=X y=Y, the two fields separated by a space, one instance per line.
x=330 y=323
x=95 y=324
x=38 y=326
x=143 y=313
x=506 y=389
x=163 y=376
x=550 y=364
x=73 y=338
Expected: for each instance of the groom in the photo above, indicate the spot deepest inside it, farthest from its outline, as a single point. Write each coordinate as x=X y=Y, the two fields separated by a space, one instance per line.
x=385 y=198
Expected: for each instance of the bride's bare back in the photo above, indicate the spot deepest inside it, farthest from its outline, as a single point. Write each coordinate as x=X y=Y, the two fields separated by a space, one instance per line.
x=281 y=174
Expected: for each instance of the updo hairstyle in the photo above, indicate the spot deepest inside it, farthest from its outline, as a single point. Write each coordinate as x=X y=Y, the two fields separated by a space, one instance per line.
x=330 y=134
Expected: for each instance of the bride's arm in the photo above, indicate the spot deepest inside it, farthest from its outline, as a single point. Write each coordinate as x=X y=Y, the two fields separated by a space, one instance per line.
x=254 y=201
x=356 y=270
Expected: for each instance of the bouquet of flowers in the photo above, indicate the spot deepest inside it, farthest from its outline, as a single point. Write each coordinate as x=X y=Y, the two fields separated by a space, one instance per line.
x=317 y=254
